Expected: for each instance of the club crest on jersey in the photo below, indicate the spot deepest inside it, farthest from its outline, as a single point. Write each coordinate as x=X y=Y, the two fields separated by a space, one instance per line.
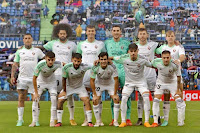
x=33 y=53
x=85 y=46
x=57 y=45
x=170 y=71
x=96 y=46
x=68 y=47
x=122 y=47
x=149 y=48
x=174 y=50
x=138 y=65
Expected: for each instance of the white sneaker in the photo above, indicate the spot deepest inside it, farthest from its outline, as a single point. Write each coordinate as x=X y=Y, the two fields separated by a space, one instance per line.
x=101 y=124
x=52 y=124
x=85 y=123
x=97 y=124
x=115 y=123
x=33 y=124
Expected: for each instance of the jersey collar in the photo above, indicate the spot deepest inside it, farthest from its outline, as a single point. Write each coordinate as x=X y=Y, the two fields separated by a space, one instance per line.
x=26 y=48
x=63 y=43
x=90 y=42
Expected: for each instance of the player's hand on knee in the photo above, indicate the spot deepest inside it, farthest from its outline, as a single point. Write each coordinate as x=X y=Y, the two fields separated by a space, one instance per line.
x=95 y=99
x=63 y=93
x=116 y=98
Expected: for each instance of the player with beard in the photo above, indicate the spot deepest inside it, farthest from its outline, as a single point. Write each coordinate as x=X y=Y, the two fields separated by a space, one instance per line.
x=26 y=59
x=63 y=49
x=117 y=46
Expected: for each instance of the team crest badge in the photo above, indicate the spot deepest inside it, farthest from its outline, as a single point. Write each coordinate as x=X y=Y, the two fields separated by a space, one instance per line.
x=174 y=50
x=96 y=46
x=68 y=47
x=122 y=47
x=57 y=45
x=85 y=46
x=33 y=53
x=138 y=65
x=149 y=48
x=170 y=71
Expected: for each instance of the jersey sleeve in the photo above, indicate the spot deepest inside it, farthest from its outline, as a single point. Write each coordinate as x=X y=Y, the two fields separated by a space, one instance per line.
x=120 y=59
x=49 y=45
x=155 y=62
x=115 y=73
x=79 y=48
x=74 y=48
x=40 y=54
x=148 y=63
x=65 y=70
x=159 y=50
x=38 y=68
x=103 y=48
x=17 y=57
x=94 y=72
x=181 y=50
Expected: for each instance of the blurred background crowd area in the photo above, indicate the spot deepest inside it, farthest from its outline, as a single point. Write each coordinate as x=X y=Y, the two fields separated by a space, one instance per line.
x=38 y=17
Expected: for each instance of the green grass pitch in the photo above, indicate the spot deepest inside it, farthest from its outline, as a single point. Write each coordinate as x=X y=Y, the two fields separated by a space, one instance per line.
x=8 y=118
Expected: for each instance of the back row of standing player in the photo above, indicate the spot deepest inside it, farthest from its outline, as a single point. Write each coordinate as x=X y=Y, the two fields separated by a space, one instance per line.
x=90 y=49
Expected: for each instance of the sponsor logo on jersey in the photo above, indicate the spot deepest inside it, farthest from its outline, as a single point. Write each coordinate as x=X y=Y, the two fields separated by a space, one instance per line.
x=89 y=52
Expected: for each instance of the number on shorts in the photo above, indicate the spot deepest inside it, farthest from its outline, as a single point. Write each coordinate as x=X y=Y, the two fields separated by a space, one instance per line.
x=98 y=89
x=158 y=86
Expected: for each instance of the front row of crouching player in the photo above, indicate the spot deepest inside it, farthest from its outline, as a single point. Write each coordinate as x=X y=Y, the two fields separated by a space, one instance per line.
x=103 y=77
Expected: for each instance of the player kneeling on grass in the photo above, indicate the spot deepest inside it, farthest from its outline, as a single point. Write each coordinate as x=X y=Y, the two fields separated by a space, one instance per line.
x=107 y=79
x=134 y=78
x=74 y=73
x=44 y=78
x=169 y=78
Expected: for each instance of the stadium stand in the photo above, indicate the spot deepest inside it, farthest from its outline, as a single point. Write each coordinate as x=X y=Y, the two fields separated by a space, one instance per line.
x=182 y=16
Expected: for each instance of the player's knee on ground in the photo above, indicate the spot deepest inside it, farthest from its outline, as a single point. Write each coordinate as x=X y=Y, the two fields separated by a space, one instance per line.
x=166 y=97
